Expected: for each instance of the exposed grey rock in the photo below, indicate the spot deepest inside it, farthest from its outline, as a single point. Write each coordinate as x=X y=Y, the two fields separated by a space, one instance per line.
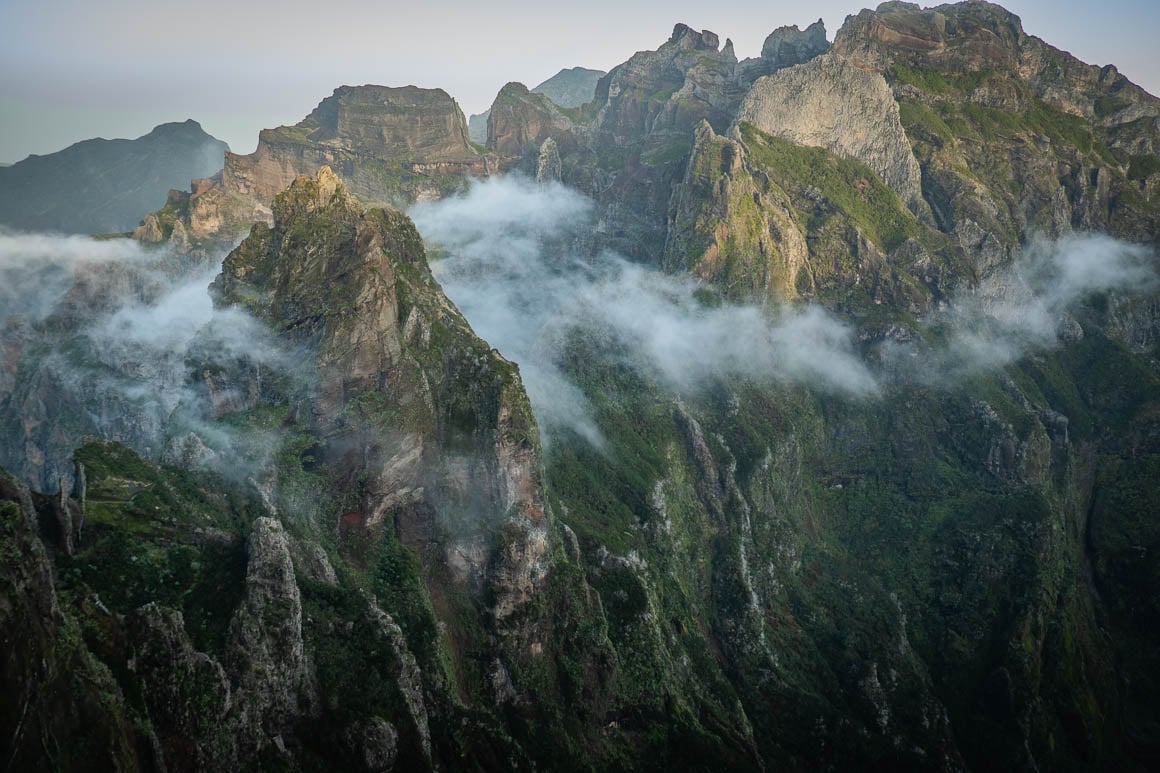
x=188 y=692
x=266 y=655
x=313 y=562
x=787 y=46
x=830 y=103
x=375 y=743
x=548 y=167
x=408 y=678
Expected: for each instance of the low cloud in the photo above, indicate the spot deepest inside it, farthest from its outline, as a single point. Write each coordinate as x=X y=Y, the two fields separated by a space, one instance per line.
x=512 y=256
x=1027 y=307
x=117 y=331
x=516 y=258
x=36 y=270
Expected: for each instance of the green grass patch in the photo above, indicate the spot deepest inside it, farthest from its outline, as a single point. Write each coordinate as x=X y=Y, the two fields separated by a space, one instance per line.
x=1144 y=166
x=847 y=185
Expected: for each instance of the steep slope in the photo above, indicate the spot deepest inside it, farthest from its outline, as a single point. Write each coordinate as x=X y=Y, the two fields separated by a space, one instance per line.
x=404 y=435
x=571 y=87
x=1011 y=134
x=404 y=399
x=77 y=357
x=61 y=707
x=389 y=145
x=394 y=515
x=953 y=568
x=986 y=134
x=991 y=477
x=106 y=186
x=629 y=146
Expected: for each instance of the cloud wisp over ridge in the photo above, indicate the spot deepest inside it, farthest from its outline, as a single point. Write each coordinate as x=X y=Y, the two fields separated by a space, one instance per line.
x=517 y=259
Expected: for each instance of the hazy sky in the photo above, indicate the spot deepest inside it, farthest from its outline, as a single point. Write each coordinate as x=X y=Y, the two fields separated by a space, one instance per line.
x=74 y=69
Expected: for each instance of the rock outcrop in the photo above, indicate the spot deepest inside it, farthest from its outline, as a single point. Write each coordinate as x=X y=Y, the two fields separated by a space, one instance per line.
x=627 y=147
x=266 y=653
x=520 y=119
x=955 y=571
x=732 y=228
x=830 y=103
x=188 y=692
x=444 y=441
x=548 y=165
x=785 y=47
x=389 y=145
x=61 y=706
x=570 y=88
x=982 y=102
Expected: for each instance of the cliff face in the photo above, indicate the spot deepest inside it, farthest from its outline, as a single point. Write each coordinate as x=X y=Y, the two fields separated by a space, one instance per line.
x=570 y=88
x=983 y=104
x=395 y=513
x=628 y=147
x=71 y=373
x=640 y=135
x=732 y=228
x=981 y=645
x=962 y=101
x=953 y=571
x=832 y=104
x=785 y=47
x=519 y=118
x=50 y=722
x=389 y=145
x=984 y=134
x=105 y=186
x=431 y=423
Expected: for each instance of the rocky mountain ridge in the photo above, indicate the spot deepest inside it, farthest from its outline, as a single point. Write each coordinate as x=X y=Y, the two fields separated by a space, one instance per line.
x=390 y=145
x=105 y=186
x=952 y=570
x=571 y=87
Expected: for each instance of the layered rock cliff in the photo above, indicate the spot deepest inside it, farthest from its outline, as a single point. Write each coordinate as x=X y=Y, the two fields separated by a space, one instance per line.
x=395 y=512
x=628 y=147
x=960 y=98
x=830 y=103
x=571 y=87
x=983 y=103
x=389 y=145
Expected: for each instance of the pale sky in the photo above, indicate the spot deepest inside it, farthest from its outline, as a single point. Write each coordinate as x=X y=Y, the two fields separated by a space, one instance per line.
x=75 y=69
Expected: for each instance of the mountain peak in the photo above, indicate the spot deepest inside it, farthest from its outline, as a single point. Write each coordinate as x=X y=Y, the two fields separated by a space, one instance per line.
x=685 y=36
